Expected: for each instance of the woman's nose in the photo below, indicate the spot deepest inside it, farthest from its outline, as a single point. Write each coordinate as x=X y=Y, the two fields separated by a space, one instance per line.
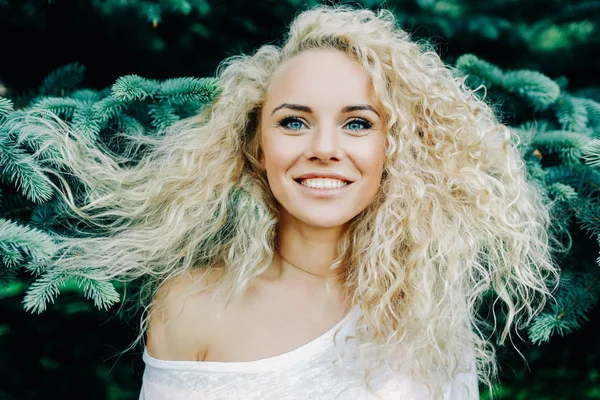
x=325 y=144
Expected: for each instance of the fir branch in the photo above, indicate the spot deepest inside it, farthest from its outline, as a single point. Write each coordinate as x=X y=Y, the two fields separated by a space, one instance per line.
x=561 y=192
x=6 y=106
x=568 y=145
x=63 y=107
x=479 y=72
x=46 y=288
x=43 y=291
x=132 y=87
x=588 y=215
x=35 y=244
x=577 y=295
x=591 y=153
x=46 y=215
x=571 y=113
x=62 y=80
x=570 y=155
x=86 y=121
x=535 y=170
x=188 y=109
x=593 y=112
x=536 y=88
x=108 y=108
x=592 y=107
x=11 y=256
x=583 y=179
x=129 y=125
x=25 y=174
x=102 y=292
x=162 y=115
x=26 y=132
x=36 y=268
x=183 y=90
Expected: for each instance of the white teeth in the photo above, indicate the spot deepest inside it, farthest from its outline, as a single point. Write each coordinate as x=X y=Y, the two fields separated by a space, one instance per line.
x=321 y=183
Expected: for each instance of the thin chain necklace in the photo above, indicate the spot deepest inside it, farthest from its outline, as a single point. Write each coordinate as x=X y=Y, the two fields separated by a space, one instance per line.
x=302 y=269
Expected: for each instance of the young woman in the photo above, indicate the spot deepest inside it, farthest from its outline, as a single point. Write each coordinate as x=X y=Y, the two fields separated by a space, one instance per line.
x=326 y=227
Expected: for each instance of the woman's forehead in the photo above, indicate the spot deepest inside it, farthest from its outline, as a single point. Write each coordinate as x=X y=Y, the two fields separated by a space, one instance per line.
x=321 y=77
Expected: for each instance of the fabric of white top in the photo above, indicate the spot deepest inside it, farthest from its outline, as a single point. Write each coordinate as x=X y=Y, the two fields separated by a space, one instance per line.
x=307 y=372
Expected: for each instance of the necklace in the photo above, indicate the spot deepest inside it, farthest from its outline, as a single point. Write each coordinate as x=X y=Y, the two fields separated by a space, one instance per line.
x=302 y=269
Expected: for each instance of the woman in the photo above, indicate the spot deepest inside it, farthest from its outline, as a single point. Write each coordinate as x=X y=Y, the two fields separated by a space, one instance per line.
x=326 y=227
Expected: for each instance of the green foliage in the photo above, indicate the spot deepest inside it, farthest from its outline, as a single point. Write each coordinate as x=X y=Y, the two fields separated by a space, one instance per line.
x=23 y=172
x=537 y=89
x=62 y=80
x=591 y=153
x=45 y=289
x=154 y=10
x=132 y=87
x=570 y=310
x=134 y=104
x=562 y=132
x=19 y=243
x=6 y=106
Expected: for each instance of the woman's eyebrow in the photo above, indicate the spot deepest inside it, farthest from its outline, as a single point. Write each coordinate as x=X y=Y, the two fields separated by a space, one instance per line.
x=307 y=109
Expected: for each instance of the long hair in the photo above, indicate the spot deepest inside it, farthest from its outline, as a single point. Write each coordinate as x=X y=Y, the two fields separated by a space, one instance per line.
x=455 y=218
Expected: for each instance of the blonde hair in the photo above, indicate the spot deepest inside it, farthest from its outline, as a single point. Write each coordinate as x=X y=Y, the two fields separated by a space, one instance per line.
x=455 y=218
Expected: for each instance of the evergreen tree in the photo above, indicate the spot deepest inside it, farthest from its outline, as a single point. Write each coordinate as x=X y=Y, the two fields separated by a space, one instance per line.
x=133 y=104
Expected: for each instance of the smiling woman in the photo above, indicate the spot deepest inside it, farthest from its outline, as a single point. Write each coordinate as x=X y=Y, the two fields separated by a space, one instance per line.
x=323 y=161
x=326 y=228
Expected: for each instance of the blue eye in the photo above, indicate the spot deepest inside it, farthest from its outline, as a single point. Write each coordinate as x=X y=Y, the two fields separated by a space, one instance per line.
x=291 y=123
x=359 y=122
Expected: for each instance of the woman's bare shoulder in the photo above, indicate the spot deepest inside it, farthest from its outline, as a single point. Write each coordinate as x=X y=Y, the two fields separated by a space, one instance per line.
x=181 y=317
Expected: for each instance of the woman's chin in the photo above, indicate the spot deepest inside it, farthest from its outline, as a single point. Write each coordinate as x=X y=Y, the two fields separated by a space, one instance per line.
x=325 y=222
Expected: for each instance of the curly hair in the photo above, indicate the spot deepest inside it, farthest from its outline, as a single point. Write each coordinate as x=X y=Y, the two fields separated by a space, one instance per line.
x=455 y=218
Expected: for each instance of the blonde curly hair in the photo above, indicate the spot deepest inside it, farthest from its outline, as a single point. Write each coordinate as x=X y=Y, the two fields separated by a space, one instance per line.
x=455 y=218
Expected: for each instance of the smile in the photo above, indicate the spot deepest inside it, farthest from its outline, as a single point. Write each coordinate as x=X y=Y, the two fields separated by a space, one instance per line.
x=323 y=183
x=323 y=188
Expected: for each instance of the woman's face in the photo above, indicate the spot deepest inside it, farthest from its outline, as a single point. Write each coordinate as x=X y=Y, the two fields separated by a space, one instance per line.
x=322 y=139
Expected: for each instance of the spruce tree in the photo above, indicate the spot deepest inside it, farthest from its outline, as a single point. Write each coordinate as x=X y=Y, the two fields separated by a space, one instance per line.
x=133 y=104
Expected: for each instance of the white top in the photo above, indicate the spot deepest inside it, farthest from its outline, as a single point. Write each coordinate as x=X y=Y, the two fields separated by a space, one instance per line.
x=308 y=372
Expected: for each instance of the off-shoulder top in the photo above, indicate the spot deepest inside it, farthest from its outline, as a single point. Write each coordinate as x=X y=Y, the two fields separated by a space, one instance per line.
x=307 y=372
